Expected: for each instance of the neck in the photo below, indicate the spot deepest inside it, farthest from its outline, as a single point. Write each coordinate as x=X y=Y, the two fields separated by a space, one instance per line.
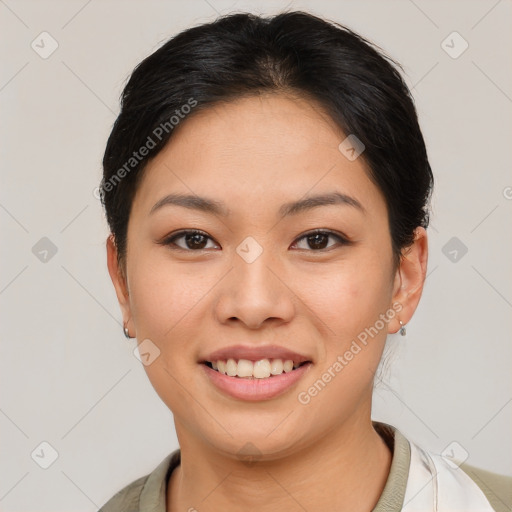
x=346 y=470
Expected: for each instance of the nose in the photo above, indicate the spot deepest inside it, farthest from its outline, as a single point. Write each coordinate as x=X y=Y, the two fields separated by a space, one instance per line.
x=254 y=294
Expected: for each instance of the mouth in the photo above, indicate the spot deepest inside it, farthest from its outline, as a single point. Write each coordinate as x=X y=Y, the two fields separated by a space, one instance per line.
x=266 y=368
x=255 y=373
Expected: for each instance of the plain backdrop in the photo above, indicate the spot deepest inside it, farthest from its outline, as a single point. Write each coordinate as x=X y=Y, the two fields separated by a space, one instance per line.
x=69 y=378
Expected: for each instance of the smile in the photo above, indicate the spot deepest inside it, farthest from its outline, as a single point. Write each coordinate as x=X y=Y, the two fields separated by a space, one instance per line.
x=247 y=369
x=254 y=381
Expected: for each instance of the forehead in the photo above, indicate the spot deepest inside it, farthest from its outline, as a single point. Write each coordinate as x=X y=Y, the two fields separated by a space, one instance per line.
x=247 y=128
x=256 y=150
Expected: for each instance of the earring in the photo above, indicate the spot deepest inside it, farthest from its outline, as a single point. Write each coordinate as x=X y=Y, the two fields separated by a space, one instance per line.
x=403 y=332
x=126 y=332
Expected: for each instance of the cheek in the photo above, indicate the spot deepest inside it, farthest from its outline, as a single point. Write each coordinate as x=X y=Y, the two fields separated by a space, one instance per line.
x=163 y=297
x=349 y=296
x=166 y=300
x=355 y=296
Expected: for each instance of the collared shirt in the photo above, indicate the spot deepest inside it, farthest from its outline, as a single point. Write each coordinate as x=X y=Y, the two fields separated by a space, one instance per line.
x=148 y=493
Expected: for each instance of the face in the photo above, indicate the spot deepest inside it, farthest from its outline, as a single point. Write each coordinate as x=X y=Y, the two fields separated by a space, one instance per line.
x=281 y=251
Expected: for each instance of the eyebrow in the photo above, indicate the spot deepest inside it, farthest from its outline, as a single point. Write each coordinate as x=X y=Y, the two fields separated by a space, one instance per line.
x=214 y=207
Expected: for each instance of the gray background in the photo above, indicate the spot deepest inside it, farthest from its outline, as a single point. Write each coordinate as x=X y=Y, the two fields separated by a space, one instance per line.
x=68 y=376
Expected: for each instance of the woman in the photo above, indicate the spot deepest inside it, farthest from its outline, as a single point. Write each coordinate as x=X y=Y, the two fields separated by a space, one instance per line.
x=267 y=189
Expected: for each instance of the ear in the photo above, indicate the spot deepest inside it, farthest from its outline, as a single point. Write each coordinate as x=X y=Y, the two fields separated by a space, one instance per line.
x=409 y=279
x=119 y=281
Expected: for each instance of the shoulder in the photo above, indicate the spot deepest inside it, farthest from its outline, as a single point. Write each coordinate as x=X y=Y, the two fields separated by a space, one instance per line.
x=497 y=488
x=419 y=476
x=147 y=492
x=127 y=499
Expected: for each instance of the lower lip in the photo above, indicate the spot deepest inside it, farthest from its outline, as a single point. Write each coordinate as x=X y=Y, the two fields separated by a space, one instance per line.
x=255 y=389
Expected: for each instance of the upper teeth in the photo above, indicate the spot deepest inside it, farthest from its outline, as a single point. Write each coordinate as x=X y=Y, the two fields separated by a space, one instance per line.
x=259 y=369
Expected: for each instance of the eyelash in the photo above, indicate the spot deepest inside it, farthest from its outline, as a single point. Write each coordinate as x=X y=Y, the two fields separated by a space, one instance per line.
x=170 y=240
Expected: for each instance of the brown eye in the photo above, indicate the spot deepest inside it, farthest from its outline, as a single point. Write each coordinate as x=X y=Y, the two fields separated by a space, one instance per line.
x=189 y=240
x=195 y=241
x=319 y=240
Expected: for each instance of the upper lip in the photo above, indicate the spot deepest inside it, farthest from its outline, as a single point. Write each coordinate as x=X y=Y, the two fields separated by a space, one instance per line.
x=256 y=353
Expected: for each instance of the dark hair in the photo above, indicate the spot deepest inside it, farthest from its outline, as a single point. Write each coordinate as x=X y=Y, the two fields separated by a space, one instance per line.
x=293 y=53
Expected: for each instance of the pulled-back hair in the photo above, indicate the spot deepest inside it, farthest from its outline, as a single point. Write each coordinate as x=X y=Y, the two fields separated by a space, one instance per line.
x=293 y=53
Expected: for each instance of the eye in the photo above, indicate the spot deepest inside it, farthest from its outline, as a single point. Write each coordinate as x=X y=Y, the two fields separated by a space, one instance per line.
x=195 y=240
x=318 y=240
x=192 y=240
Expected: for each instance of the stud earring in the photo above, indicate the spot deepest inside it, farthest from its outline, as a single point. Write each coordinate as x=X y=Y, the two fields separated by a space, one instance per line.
x=403 y=332
x=126 y=332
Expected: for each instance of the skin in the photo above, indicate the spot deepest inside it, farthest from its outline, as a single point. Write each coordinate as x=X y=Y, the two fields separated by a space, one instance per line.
x=255 y=154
